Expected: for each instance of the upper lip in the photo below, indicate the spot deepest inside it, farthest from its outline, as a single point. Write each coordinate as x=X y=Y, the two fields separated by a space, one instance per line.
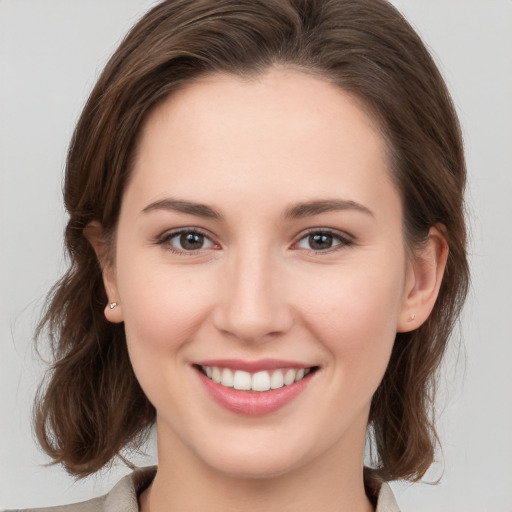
x=253 y=366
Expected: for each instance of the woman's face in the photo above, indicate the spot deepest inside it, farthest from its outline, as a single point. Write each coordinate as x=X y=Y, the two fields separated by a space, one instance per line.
x=259 y=243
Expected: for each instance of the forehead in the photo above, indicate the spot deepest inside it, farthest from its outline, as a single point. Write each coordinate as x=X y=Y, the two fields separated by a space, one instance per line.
x=285 y=129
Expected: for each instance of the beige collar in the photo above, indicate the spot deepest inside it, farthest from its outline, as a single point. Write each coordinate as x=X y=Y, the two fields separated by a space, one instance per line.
x=124 y=496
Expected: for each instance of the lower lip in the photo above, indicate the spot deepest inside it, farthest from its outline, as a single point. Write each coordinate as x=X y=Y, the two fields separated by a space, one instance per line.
x=253 y=403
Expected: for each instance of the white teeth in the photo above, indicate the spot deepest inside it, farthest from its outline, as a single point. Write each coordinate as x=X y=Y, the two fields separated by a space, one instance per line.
x=259 y=381
x=216 y=375
x=242 y=380
x=289 y=377
x=277 y=381
x=227 y=378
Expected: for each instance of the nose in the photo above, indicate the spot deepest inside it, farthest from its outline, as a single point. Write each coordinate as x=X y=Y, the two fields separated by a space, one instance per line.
x=252 y=304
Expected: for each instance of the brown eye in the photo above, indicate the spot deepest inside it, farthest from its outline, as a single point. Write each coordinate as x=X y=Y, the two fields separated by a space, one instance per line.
x=323 y=241
x=320 y=242
x=191 y=241
x=188 y=240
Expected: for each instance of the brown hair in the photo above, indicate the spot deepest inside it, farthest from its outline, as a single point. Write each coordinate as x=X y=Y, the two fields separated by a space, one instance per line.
x=92 y=406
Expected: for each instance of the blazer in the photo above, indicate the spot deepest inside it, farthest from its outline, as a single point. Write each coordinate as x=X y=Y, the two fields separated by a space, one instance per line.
x=124 y=496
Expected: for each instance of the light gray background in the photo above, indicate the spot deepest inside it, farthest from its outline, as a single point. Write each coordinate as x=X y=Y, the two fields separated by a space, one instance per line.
x=51 y=51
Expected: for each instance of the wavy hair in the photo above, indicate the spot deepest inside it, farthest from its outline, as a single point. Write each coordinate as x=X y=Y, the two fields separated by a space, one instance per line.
x=91 y=405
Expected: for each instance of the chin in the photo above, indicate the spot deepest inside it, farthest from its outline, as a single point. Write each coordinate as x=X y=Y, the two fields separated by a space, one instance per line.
x=258 y=468
x=254 y=461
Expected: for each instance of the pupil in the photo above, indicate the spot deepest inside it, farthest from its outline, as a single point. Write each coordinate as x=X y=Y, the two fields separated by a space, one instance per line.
x=320 y=241
x=191 y=241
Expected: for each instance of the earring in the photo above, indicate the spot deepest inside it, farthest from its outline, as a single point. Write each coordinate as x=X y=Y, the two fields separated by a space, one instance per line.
x=113 y=305
x=412 y=317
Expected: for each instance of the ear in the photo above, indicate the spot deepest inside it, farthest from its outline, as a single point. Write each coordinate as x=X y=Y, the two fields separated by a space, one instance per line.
x=96 y=237
x=424 y=276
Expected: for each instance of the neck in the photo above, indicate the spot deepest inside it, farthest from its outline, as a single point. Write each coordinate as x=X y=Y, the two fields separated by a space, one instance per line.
x=333 y=482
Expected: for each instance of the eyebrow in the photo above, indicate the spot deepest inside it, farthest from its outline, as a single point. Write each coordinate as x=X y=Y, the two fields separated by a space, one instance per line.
x=295 y=211
x=310 y=208
x=188 y=207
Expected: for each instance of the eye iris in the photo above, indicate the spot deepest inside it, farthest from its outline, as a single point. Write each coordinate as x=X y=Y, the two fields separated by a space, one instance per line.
x=191 y=241
x=320 y=241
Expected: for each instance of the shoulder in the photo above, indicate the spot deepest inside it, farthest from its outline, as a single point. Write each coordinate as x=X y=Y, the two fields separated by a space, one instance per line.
x=122 y=498
x=386 y=501
x=94 y=505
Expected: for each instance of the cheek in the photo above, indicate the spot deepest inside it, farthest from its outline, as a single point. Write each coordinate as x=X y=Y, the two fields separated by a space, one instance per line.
x=162 y=306
x=163 y=309
x=354 y=313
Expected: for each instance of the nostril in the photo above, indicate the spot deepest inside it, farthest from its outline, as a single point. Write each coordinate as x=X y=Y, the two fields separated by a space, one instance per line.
x=251 y=323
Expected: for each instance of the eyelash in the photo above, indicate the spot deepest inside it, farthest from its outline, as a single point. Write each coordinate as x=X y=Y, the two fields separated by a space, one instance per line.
x=342 y=239
x=167 y=237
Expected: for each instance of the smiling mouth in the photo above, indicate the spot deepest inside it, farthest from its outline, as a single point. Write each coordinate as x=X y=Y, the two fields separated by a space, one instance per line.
x=258 y=381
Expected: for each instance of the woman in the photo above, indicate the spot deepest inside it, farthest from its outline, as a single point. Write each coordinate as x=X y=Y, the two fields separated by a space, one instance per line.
x=268 y=256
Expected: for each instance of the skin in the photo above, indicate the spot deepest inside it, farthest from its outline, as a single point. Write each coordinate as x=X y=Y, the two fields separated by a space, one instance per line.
x=250 y=150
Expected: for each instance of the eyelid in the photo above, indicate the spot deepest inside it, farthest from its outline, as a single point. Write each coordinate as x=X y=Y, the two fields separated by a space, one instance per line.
x=172 y=233
x=344 y=238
